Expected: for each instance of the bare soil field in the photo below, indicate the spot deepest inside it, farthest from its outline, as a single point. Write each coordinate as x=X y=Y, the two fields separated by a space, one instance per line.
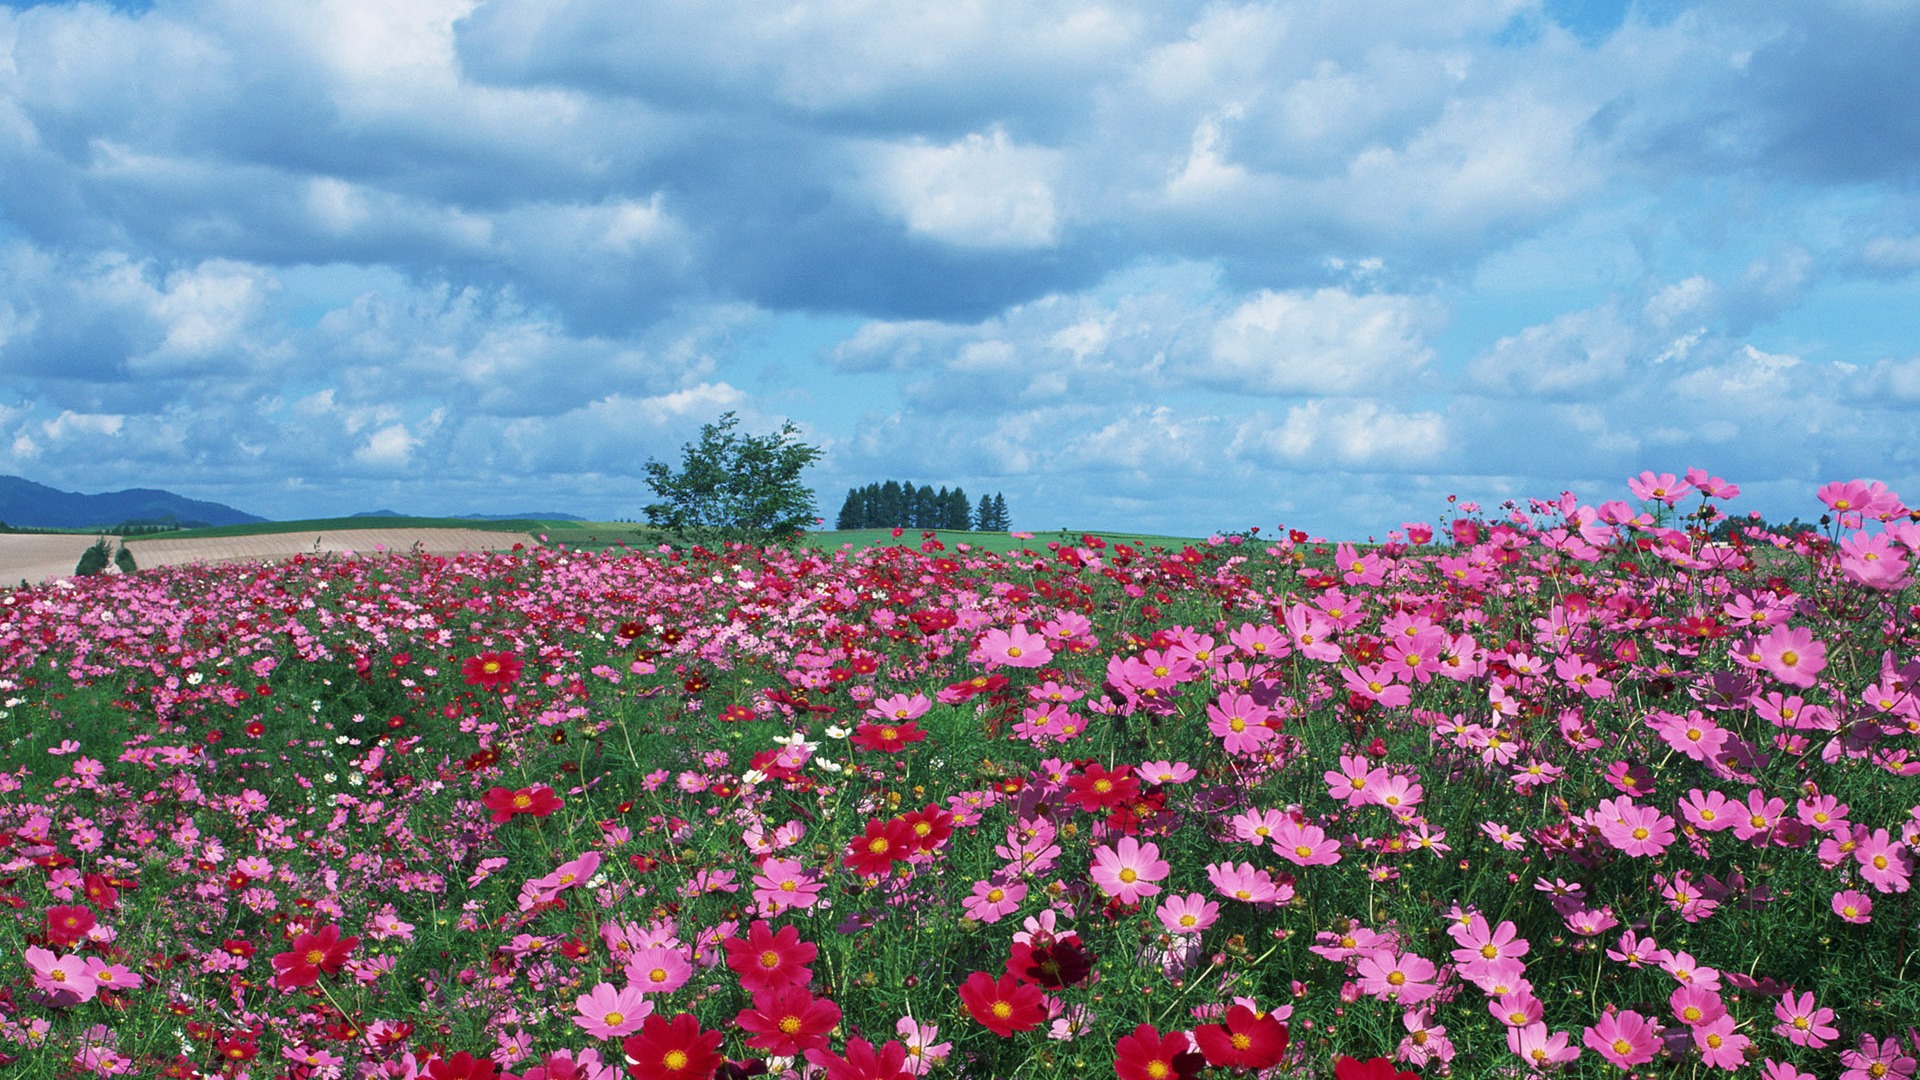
x=39 y=559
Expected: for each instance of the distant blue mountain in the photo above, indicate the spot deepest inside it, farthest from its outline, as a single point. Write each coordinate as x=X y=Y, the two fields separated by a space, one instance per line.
x=25 y=504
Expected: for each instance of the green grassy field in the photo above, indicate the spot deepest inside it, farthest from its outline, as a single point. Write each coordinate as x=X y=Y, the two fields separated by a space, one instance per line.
x=600 y=535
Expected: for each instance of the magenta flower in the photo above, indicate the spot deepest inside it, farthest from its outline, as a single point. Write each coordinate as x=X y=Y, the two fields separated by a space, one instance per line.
x=1877 y=1059
x=1242 y=882
x=994 y=899
x=1792 y=654
x=659 y=969
x=1541 y=1049
x=1624 y=1038
x=784 y=883
x=609 y=1013
x=1639 y=831
x=1188 y=914
x=1883 y=862
x=65 y=977
x=1240 y=723
x=1406 y=978
x=1018 y=647
x=1720 y=1045
x=1306 y=845
x=1127 y=872
x=1802 y=1023
x=1853 y=906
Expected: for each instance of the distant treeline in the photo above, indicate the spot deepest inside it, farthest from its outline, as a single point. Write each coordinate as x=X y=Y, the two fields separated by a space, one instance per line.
x=897 y=505
x=140 y=527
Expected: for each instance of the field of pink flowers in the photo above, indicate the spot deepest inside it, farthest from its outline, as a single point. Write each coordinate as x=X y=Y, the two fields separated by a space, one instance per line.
x=1553 y=788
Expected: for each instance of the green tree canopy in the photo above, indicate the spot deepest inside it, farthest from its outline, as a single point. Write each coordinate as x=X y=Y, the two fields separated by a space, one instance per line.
x=731 y=486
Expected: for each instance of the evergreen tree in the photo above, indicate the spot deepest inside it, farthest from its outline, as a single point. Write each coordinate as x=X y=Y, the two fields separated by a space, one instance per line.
x=955 y=512
x=853 y=514
x=1002 y=521
x=924 y=507
x=124 y=560
x=983 y=516
x=892 y=504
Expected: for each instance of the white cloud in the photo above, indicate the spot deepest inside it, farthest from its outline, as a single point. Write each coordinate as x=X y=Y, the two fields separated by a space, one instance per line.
x=981 y=192
x=1578 y=354
x=390 y=447
x=1328 y=341
x=1347 y=433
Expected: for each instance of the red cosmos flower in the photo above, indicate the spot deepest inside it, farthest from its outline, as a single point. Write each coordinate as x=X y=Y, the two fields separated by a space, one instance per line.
x=1379 y=1068
x=1249 y=1039
x=931 y=826
x=464 y=1066
x=538 y=801
x=492 y=670
x=237 y=1048
x=676 y=1050
x=1147 y=1055
x=1052 y=965
x=1097 y=789
x=101 y=891
x=1004 y=1005
x=787 y=1021
x=863 y=1062
x=887 y=738
x=765 y=960
x=68 y=925
x=322 y=950
x=884 y=842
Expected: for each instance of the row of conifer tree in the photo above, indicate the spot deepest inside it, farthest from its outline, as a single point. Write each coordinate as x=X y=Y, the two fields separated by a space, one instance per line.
x=897 y=505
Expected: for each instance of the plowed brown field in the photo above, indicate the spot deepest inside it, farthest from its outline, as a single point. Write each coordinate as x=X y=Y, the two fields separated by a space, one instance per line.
x=39 y=559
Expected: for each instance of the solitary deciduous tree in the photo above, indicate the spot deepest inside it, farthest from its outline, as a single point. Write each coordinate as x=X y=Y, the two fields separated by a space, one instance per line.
x=734 y=487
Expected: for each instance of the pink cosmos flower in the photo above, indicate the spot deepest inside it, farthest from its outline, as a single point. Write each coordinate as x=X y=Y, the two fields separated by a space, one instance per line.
x=1720 y=1045
x=1398 y=794
x=1541 y=1049
x=1803 y=1023
x=1635 y=950
x=1762 y=815
x=1877 y=1059
x=1883 y=862
x=994 y=899
x=1793 y=655
x=1242 y=882
x=1256 y=827
x=1661 y=488
x=1694 y=1006
x=783 y=884
x=1127 y=872
x=1305 y=845
x=609 y=1013
x=1710 y=811
x=659 y=969
x=1240 y=723
x=922 y=1052
x=1351 y=782
x=1853 y=906
x=1483 y=946
x=898 y=708
x=1188 y=914
x=65 y=977
x=1638 y=830
x=1017 y=647
x=1406 y=978
x=1624 y=1038
x=1516 y=1008
x=1780 y=1070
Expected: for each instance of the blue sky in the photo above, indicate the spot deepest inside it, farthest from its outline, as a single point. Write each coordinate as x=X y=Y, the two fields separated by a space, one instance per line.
x=1154 y=266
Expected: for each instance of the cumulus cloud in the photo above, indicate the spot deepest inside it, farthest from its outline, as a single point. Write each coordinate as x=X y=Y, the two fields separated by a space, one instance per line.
x=1328 y=341
x=982 y=191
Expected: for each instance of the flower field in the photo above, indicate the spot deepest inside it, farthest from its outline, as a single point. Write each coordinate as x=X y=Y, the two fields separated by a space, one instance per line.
x=1555 y=788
